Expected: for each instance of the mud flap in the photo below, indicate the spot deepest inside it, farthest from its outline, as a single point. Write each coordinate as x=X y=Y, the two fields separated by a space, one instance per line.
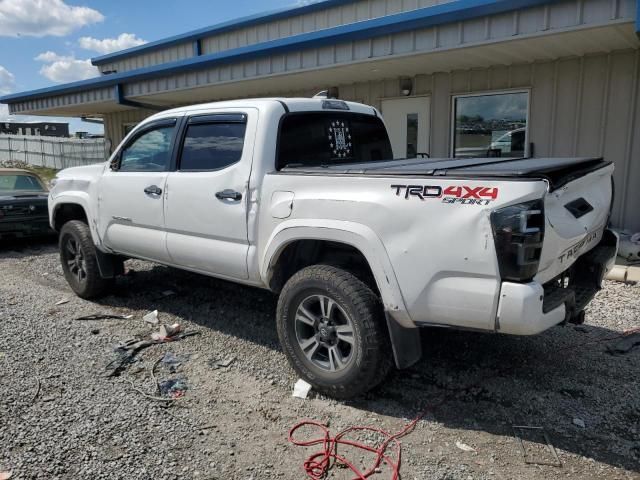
x=110 y=266
x=405 y=342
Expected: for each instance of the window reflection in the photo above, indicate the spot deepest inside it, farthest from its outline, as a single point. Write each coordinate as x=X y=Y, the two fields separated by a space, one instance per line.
x=491 y=125
x=212 y=146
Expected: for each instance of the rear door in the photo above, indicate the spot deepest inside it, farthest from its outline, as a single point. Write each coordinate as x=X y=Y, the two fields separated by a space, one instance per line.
x=206 y=209
x=132 y=193
x=407 y=120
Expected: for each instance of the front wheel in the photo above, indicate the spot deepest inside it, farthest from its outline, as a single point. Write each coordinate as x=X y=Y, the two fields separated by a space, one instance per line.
x=331 y=327
x=79 y=262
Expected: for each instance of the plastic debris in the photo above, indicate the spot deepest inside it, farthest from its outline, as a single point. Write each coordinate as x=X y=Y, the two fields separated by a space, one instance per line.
x=579 y=422
x=465 y=448
x=174 y=388
x=104 y=316
x=171 y=359
x=301 y=389
x=151 y=317
x=126 y=352
x=63 y=301
x=166 y=332
x=221 y=363
x=5 y=475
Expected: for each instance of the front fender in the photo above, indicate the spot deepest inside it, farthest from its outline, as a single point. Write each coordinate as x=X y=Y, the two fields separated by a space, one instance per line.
x=79 y=198
x=354 y=234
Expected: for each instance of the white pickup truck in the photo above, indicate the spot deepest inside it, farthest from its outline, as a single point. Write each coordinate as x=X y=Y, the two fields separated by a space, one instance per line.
x=303 y=197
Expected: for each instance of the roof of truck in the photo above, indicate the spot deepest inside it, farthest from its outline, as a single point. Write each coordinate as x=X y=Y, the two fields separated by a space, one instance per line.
x=289 y=104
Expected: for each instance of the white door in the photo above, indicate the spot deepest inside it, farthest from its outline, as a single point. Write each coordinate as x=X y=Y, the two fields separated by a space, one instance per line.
x=407 y=121
x=131 y=194
x=206 y=209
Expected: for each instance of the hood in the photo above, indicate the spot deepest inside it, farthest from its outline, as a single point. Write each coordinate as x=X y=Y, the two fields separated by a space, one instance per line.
x=82 y=173
x=7 y=195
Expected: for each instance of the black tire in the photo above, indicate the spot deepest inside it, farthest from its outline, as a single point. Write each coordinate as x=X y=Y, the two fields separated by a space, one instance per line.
x=85 y=281
x=371 y=358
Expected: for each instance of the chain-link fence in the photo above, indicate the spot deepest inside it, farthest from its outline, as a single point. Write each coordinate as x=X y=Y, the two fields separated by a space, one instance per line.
x=52 y=152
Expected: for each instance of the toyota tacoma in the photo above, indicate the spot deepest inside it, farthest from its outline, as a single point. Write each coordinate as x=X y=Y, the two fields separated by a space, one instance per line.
x=303 y=197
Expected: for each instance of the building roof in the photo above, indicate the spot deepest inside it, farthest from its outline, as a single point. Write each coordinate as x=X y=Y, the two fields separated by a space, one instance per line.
x=455 y=11
x=219 y=28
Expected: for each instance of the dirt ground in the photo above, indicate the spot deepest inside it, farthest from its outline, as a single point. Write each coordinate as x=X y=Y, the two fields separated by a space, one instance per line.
x=61 y=417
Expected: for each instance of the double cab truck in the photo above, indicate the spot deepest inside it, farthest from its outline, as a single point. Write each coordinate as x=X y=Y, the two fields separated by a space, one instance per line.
x=303 y=197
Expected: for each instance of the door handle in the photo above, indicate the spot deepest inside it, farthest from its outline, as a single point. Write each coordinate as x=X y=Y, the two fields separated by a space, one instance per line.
x=229 y=195
x=153 y=190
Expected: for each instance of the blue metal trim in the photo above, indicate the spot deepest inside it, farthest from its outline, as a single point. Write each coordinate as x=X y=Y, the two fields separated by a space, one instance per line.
x=219 y=28
x=415 y=19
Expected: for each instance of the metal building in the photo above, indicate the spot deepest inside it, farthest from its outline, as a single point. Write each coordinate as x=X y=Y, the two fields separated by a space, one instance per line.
x=452 y=77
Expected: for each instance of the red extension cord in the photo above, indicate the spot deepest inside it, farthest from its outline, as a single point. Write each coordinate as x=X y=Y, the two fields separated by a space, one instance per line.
x=318 y=464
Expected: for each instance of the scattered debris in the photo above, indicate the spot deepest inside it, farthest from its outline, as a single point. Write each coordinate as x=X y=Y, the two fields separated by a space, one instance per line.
x=127 y=351
x=170 y=359
x=104 y=316
x=625 y=344
x=555 y=462
x=224 y=363
x=166 y=332
x=174 y=388
x=63 y=301
x=5 y=475
x=168 y=293
x=301 y=389
x=579 y=422
x=465 y=448
x=38 y=387
x=152 y=397
x=151 y=317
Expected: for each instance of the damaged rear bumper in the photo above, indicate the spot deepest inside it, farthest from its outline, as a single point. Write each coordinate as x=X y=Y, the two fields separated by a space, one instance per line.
x=531 y=308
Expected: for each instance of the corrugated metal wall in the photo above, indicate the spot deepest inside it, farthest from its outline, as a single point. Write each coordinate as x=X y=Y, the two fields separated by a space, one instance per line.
x=310 y=22
x=581 y=106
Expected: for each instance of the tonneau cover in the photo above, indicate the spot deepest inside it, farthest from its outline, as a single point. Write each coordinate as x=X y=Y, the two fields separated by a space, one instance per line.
x=558 y=171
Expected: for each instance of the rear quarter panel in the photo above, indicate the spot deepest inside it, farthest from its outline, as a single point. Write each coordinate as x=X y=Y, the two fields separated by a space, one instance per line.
x=440 y=248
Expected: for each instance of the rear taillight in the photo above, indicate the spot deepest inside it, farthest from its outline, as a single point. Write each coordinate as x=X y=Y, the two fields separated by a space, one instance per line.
x=518 y=232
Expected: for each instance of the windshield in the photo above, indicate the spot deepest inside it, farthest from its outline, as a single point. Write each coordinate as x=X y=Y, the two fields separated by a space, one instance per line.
x=329 y=138
x=20 y=182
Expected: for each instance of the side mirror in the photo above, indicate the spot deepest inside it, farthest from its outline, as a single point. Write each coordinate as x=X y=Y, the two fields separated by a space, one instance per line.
x=114 y=165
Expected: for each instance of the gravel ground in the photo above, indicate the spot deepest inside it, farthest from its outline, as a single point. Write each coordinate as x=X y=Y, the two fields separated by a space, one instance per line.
x=62 y=418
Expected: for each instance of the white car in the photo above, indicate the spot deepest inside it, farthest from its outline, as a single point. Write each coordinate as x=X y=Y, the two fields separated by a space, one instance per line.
x=299 y=196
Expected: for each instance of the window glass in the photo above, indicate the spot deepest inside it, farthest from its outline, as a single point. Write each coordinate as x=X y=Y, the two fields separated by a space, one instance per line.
x=150 y=152
x=326 y=138
x=491 y=125
x=10 y=183
x=212 y=146
x=412 y=135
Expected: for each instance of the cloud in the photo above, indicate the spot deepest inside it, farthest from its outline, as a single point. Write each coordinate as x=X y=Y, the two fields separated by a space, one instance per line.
x=41 y=18
x=62 y=69
x=7 y=81
x=108 y=45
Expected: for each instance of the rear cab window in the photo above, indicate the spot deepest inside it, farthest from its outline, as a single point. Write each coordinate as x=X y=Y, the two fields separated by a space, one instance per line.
x=311 y=139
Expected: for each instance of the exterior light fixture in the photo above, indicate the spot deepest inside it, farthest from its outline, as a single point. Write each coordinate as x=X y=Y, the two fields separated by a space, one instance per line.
x=406 y=86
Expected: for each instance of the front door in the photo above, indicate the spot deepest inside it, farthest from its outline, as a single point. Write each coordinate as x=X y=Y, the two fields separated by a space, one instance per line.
x=132 y=192
x=207 y=200
x=407 y=121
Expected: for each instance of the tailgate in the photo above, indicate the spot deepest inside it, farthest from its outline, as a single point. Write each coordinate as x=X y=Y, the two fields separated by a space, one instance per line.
x=576 y=216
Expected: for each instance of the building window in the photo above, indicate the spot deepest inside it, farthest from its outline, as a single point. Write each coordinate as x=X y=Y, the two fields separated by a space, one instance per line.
x=491 y=125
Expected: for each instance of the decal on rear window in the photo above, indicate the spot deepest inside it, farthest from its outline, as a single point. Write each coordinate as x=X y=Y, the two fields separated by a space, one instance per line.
x=340 y=139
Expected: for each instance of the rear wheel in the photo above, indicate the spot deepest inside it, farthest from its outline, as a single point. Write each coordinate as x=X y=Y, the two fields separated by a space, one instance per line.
x=331 y=327
x=79 y=263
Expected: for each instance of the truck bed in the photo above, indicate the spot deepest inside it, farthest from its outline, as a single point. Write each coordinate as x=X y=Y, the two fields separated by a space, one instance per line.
x=558 y=171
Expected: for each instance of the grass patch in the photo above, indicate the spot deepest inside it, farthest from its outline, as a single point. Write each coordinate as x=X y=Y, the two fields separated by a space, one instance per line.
x=45 y=173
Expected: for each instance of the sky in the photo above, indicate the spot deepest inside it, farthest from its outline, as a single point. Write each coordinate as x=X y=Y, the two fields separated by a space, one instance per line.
x=49 y=42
